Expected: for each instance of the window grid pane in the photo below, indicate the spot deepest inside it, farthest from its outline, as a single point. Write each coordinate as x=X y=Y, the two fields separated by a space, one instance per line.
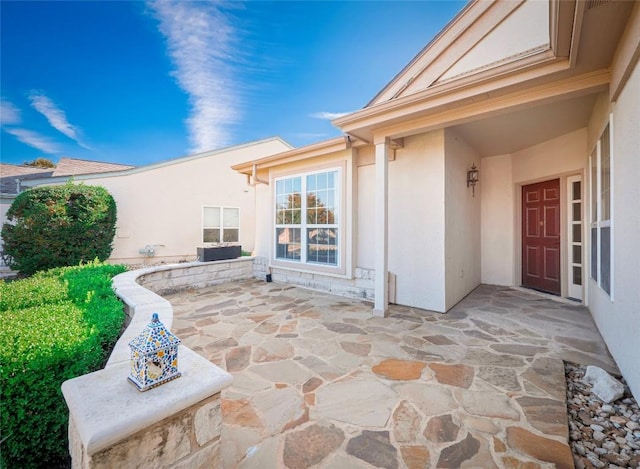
x=576 y=191
x=577 y=254
x=576 y=211
x=230 y=235
x=231 y=217
x=288 y=243
x=212 y=217
x=322 y=246
x=605 y=258
x=577 y=233
x=577 y=275
x=288 y=201
x=605 y=175
x=594 y=185
x=594 y=253
x=211 y=235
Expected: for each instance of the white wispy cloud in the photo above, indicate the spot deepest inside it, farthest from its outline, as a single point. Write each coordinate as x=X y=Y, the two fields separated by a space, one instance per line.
x=201 y=41
x=309 y=135
x=55 y=116
x=9 y=114
x=329 y=116
x=34 y=140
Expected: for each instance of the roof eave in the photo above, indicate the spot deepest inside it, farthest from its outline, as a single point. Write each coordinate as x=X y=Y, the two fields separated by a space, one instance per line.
x=490 y=81
x=313 y=150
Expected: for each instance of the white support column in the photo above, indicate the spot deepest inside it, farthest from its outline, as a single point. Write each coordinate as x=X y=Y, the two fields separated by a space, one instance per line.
x=381 y=305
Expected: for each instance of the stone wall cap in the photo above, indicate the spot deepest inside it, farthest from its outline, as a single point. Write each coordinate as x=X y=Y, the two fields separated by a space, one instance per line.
x=106 y=408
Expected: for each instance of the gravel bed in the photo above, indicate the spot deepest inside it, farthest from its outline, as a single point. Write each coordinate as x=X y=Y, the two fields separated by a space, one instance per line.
x=601 y=435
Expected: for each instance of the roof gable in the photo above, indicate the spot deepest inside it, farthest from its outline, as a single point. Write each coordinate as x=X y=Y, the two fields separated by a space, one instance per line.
x=484 y=36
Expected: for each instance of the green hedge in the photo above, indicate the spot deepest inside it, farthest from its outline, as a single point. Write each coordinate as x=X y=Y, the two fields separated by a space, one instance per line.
x=54 y=326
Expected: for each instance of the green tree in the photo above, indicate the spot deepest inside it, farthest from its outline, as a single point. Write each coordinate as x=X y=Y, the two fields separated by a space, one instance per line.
x=41 y=163
x=291 y=211
x=58 y=226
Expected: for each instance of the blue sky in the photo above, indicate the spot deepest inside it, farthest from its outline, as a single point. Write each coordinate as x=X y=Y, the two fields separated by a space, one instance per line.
x=141 y=82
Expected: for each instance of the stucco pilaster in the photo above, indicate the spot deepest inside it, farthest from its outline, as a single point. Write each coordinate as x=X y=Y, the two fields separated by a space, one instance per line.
x=381 y=231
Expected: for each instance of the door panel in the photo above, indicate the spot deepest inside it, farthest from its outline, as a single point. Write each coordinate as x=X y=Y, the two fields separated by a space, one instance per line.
x=533 y=225
x=541 y=236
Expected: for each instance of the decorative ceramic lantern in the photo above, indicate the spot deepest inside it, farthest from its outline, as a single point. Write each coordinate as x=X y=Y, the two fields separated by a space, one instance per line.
x=154 y=356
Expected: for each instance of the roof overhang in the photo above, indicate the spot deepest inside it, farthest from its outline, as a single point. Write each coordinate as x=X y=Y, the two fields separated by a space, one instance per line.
x=314 y=150
x=432 y=110
x=543 y=74
x=567 y=66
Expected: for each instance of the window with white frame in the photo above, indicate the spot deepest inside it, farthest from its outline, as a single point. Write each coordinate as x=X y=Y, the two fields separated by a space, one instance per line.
x=221 y=225
x=306 y=218
x=601 y=211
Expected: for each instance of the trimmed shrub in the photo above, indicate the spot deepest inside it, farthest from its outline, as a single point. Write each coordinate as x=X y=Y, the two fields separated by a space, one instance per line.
x=46 y=340
x=58 y=226
x=33 y=291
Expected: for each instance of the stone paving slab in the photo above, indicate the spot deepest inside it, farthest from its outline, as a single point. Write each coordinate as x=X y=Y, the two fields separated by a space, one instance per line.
x=320 y=382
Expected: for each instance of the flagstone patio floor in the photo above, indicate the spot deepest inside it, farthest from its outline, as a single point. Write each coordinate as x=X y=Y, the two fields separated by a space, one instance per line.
x=320 y=382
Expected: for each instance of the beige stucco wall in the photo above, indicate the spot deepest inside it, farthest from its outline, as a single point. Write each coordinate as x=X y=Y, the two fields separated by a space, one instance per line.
x=416 y=218
x=462 y=221
x=162 y=204
x=618 y=318
x=501 y=179
x=366 y=215
x=561 y=155
x=263 y=223
x=497 y=226
x=417 y=221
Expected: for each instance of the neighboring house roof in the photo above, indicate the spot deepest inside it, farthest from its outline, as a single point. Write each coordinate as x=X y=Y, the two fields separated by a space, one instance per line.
x=15 y=170
x=13 y=176
x=55 y=178
x=73 y=167
x=11 y=173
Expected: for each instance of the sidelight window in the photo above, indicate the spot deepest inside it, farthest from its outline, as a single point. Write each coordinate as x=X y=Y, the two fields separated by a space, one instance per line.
x=601 y=209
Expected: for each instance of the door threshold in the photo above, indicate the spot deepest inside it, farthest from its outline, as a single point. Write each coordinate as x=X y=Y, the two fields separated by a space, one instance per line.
x=549 y=296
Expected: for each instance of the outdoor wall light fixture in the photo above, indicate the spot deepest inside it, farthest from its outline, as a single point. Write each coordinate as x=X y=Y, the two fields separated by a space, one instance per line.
x=472 y=179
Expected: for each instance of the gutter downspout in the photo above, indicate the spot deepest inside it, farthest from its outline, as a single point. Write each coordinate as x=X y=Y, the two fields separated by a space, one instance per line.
x=254 y=177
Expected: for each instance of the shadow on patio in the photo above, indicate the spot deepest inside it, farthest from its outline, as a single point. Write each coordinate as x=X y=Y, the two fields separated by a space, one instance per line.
x=319 y=381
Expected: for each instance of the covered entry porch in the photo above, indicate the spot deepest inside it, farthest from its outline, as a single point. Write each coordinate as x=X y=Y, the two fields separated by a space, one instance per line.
x=319 y=381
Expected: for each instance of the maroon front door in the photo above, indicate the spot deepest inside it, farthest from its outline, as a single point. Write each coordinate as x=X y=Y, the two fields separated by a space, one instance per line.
x=541 y=236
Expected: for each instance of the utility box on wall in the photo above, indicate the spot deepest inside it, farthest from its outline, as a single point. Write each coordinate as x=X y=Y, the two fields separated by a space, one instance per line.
x=219 y=253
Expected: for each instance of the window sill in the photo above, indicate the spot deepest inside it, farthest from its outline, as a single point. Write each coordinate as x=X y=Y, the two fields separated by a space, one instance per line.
x=336 y=272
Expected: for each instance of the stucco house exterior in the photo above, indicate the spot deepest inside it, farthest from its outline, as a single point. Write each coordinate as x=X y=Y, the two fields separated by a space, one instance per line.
x=543 y=98
x=167 y=210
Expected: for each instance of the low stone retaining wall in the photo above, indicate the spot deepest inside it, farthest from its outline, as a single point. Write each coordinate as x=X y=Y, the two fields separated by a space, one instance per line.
x=177 y=424
x=140 y=292
x=360 y=287
x=165 y=279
